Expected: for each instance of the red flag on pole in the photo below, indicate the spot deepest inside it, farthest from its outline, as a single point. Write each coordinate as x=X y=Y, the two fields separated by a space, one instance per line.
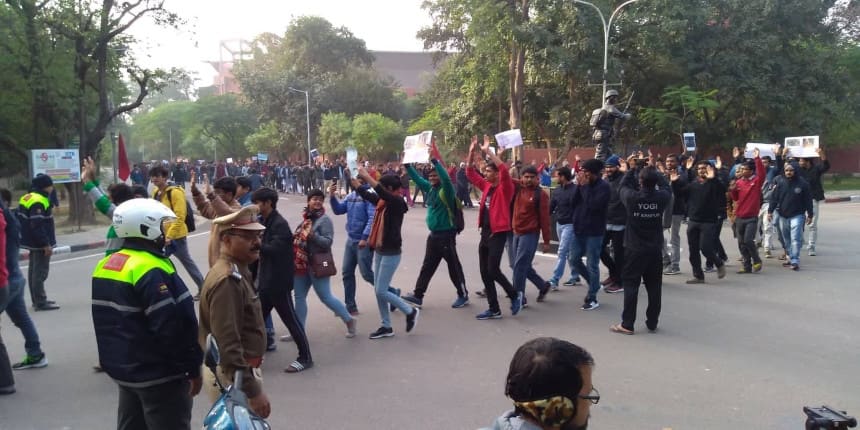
x=123 y=169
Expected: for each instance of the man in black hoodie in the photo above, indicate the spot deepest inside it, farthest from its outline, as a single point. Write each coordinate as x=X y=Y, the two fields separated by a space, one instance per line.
x=645 y=201
x=791 y=198
x=672 y=246
x=616 y=217
x=275 y=270
x=702 y=196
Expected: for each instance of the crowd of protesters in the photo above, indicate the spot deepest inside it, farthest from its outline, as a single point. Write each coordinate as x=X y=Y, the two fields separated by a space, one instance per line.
x=624 y=212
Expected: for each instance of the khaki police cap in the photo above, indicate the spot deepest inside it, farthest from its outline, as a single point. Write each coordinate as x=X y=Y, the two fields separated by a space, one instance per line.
x=244 y=219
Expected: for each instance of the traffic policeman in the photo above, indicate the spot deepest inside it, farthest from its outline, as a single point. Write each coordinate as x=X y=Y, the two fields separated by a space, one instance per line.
x=38 y=236
x=230 y=307
x=145 y=323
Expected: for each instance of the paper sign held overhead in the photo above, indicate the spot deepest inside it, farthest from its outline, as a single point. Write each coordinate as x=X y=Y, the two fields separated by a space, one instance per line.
x=416 y=148
x=352 y=161
x=802 y=147
x=764 y=149
x=509 y=139
x=690 y=141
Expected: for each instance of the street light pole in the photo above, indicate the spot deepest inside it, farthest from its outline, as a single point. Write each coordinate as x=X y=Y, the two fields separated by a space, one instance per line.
x=606 y=26
x=308 y=116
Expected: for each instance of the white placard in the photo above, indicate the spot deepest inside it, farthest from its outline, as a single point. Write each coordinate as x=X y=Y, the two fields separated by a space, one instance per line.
x=802 y=147
x=229 y=160
x=509 y=139
x=764 y=149
x=416 y=148
x=62 y=165
x=352 y=161
x=690 y=141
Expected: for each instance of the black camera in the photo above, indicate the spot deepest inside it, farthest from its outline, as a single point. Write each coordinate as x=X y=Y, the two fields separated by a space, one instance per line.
x=827 y=418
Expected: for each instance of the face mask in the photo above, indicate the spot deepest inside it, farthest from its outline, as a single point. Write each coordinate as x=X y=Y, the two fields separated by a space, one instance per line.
x=552 y=413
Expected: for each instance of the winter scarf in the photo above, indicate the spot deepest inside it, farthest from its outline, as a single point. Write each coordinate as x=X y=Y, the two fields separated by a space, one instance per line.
x=300 y=239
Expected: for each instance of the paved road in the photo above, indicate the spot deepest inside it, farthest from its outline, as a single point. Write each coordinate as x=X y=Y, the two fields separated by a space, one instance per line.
x=744 y=352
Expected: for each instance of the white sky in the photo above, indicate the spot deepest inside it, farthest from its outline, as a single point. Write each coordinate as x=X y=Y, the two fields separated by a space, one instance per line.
x=384 y=25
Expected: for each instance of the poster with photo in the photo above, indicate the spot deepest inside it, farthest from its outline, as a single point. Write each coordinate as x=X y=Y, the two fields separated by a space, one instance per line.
x=764 y=149
x=416 y=148
x=690 y=141
x=802 y=146
x=352 y=161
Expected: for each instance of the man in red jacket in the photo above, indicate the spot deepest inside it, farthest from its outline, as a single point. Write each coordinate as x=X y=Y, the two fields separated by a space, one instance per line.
x=494 y=219
x=746 y=192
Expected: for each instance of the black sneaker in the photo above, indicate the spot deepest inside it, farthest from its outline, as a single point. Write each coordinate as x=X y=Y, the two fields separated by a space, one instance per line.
x=411 y=319
x=543 y=291
x=47 y=306
x=571 y=282
x=382 y=332
x=32 y=362
x=590 y=305
x=414 y=301
x=489 y=315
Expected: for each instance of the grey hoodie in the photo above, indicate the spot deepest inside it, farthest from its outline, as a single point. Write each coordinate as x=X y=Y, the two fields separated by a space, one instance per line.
x=511 y=421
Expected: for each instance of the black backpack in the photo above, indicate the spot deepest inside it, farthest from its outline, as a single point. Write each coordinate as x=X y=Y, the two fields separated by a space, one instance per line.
x=189 y=211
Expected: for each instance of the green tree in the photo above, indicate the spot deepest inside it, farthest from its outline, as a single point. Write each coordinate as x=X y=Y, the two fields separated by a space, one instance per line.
x=327 y=61
x=372 y=134
x=226 y=121
x=335 y=133
x=69 y=58
x=377 y=136
x=684 y=109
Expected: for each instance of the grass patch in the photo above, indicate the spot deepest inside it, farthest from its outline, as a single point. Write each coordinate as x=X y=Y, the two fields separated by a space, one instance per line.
x=841 y=183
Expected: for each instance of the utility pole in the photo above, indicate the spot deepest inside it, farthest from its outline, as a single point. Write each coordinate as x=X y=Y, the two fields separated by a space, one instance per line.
x=308 y=116
x=606 y=26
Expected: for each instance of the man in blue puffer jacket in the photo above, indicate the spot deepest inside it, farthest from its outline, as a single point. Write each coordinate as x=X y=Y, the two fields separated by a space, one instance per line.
x=359 y=218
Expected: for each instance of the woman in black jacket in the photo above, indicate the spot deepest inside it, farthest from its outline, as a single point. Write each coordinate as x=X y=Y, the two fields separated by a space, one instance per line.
x=386 y=241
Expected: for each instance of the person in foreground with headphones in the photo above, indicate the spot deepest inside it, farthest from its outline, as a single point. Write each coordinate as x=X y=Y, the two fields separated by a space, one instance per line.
x=550 y=382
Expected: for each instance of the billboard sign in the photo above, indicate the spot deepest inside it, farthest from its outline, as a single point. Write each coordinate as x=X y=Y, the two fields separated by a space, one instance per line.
x=62 y=165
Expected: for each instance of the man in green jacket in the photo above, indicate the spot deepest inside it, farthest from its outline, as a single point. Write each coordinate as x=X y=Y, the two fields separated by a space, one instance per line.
x=442 y=241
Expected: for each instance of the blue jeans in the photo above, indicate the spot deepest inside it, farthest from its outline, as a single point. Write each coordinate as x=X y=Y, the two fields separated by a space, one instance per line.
x=565 y=238
x=588 y=246
x=792 y=232
x=322 y=286
x=17 y=311
x=355 y=256
x=179 y=248
x=383 y=269
x=524 y=248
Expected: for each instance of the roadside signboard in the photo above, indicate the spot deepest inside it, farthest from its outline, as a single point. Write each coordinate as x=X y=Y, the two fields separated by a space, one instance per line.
x=62 y=165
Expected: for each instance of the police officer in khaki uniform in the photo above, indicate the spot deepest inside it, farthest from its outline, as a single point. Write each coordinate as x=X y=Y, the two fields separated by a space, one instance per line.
x=230 y=308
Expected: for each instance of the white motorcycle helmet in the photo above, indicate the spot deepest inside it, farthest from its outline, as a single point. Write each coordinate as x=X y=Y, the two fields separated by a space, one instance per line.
x=141 y=218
